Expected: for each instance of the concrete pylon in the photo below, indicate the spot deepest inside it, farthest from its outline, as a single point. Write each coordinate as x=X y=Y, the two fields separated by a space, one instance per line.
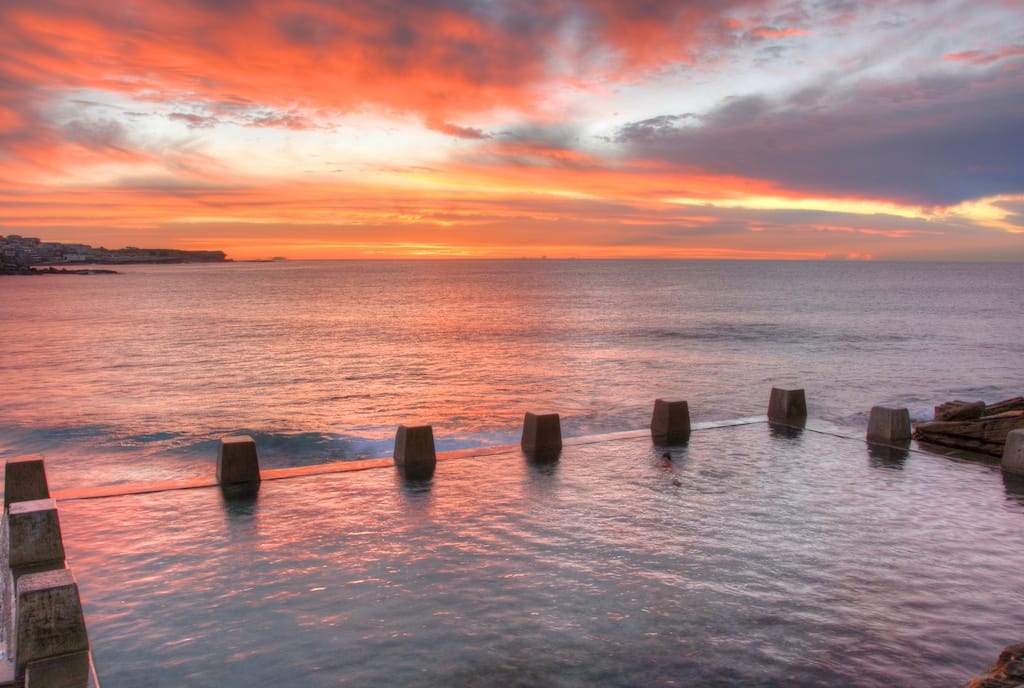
x=74 y=670
x=25 y=480
x=414 y=454
x=48 y=618
x=670 y=422
x=1013 y=453
x=888 y=425
x=542 y=436
x=238 y=466
x=787 y=406
x=34 y=539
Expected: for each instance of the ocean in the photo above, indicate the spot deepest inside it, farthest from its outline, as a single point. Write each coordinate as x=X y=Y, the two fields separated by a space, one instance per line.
x=756 y=556
x=134 y=377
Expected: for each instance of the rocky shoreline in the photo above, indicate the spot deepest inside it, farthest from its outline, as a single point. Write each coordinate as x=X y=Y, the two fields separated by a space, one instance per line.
x=973 y=425
x=60 y=271
x=1007 y=673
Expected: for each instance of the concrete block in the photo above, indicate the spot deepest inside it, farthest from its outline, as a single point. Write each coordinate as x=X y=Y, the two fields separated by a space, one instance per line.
x=73 y=670
x=33 y=535
x=237 y=463
x=48 y=618
x=542 y=435
x=414 y=452
x=670 y=422
x=888 y=425
x=787 y=406
x=25 y=480
x=1013 y=452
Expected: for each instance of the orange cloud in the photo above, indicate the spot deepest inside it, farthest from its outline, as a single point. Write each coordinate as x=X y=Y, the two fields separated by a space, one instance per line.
x=338 y=57
x=513 y=172
x=984 y=57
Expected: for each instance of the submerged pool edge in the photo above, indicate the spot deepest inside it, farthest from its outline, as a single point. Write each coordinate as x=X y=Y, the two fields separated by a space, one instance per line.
x=197 y=482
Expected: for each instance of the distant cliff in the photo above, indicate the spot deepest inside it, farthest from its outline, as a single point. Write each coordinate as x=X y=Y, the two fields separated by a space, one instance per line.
x=156 y=255
x=17 y=253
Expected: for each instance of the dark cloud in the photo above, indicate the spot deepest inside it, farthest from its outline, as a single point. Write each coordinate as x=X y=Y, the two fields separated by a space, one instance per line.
x=653 y=127
x=303 y=28
x=277 y=120
x=539 y=136
x=194 y=121
x=459 y=132
x=96 y=134
x=935 y=141
x=242 y=115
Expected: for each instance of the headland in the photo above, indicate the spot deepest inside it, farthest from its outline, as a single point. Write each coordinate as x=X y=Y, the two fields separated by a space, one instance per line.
x=19 y=255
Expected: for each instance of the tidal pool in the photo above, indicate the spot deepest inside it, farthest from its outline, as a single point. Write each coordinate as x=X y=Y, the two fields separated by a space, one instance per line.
x=754 y=558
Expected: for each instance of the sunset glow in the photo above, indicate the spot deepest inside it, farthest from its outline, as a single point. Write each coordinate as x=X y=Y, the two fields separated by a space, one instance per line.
x=585 y=128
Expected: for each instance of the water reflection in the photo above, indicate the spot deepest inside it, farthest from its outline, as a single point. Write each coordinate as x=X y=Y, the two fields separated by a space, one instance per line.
x=1014 y=486
x=541 y=478
x=239 y=506
x=416 y=494
x=785 y=432
x=890 y=457
x=542 y=457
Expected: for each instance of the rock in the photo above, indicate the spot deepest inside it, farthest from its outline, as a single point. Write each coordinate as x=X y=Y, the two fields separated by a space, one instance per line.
x=1015 y=404
x=973 y=425
x=986 y=435
x=1007 y=673
x=959 y=410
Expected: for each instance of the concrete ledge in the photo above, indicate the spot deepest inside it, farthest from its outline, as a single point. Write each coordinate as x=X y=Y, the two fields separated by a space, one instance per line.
x=414 y=453
x=670 y=422
x=33 y=535
x=48 y=618
x=887 y=425
x=787 y=406
x=1013 y=453
x=542 y=435
x=73 y=670
x=25 y=480
x=238 y=466
x=7 y=673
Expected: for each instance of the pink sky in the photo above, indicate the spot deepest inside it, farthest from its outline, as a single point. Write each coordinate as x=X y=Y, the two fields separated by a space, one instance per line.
x=591 y=128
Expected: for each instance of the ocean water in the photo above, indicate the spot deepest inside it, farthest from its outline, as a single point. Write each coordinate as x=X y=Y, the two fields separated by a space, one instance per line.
x=134 y=377
x=756 y=559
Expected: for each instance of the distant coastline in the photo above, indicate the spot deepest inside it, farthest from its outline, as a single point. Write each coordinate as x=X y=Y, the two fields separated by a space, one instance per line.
x=21 y=255
x=50 y=270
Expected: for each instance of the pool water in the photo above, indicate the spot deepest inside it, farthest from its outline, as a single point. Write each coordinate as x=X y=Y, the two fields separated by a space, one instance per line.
x=756 y=557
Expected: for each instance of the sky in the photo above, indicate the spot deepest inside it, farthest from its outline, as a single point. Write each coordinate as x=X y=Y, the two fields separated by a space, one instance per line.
x=760 y=129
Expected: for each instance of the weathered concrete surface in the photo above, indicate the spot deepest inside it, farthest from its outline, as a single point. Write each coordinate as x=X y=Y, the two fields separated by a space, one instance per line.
x=74 y=670
x=887 y=425
x=7 y=674
x=238 y=466
x=25 y=480
x=414 y=454
x=33 y=535
x=670 y=422
x=1007 y=673
x=1013 y=453
x=787 y=406
x=49 y=620
x=542 y=435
